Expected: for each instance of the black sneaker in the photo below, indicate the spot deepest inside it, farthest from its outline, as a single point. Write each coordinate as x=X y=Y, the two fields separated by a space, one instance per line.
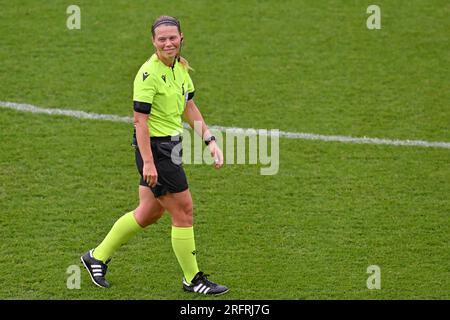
x=201 y=284
x=96 y=268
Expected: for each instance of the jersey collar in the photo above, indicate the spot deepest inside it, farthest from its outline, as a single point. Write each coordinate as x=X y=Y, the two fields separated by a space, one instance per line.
x=155 y=57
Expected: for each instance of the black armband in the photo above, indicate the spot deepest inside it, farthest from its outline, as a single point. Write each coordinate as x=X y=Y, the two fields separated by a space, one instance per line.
x=142 y=107
x=190 y=95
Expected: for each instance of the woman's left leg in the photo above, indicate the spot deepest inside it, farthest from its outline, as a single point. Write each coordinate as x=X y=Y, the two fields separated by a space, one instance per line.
x=180 y=206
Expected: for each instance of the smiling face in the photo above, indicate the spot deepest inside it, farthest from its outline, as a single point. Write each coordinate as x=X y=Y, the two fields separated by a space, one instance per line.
x=167 y=41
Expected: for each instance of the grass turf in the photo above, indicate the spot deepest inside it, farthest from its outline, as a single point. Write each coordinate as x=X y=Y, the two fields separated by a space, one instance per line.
x=308 y=232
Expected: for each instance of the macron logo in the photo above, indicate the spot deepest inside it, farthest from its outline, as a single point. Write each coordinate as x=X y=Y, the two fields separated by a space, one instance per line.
x=145 y=75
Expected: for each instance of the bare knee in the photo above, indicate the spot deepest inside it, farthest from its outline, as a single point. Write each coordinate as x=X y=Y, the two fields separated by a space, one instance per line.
x=189 y=209
x=146 y=214
x=180 y=207
x=183 y=217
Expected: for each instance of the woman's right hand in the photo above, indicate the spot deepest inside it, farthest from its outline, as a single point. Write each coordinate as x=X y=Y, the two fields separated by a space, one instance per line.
x=150 y=174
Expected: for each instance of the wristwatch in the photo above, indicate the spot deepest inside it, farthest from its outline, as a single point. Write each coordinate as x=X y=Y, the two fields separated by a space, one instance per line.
x=212 y=138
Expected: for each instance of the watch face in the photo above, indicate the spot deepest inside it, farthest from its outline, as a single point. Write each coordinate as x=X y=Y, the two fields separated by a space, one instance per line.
x=210 y=139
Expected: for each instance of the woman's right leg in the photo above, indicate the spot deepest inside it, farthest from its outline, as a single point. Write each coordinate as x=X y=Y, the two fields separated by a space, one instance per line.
x=148 y=212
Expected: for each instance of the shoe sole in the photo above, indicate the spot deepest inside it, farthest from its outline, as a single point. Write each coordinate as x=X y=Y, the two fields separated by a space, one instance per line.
x=92 y=278
x=210 y=294
x=219 y=294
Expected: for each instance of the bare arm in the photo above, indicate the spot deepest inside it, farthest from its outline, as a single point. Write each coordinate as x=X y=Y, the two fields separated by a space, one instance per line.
x=192 y=115
x=195 y=119
x=143 y=140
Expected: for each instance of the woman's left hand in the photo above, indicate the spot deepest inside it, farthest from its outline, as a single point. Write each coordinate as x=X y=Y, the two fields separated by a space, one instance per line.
x=216 y=153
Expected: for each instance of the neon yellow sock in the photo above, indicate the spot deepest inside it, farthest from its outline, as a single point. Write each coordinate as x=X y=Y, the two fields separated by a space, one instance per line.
x=183 y=244
x=122 y=231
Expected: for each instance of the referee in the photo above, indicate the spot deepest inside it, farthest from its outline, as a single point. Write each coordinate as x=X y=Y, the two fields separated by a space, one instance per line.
x=163 y=94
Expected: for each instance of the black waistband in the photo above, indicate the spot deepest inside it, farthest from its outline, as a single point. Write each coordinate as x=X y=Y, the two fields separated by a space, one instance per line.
x=167 y=138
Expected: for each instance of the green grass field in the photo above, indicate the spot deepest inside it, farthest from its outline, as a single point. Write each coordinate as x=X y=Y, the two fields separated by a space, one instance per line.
x=308 y=232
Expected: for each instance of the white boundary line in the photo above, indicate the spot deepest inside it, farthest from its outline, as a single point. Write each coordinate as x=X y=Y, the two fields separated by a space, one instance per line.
x=289 y=135
x=64 y=112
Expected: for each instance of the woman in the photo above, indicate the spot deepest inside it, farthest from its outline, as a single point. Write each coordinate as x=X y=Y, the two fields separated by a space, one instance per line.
x=163 y=92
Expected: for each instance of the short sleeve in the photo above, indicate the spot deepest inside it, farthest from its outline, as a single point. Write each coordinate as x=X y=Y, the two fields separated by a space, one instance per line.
x=144 y=88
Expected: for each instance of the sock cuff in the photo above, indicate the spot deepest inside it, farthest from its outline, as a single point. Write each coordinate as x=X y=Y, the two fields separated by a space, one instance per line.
x=182 y=232
x=131 y=221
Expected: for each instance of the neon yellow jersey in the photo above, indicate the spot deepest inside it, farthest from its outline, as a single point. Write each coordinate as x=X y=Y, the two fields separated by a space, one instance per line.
x=165 y=90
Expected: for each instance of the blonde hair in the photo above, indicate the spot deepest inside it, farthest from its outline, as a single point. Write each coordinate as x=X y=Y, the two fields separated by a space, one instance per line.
x=185 y=63
x=169 y=20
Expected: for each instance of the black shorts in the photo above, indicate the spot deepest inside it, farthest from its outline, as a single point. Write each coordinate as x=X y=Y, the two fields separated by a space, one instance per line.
x=167 y=158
